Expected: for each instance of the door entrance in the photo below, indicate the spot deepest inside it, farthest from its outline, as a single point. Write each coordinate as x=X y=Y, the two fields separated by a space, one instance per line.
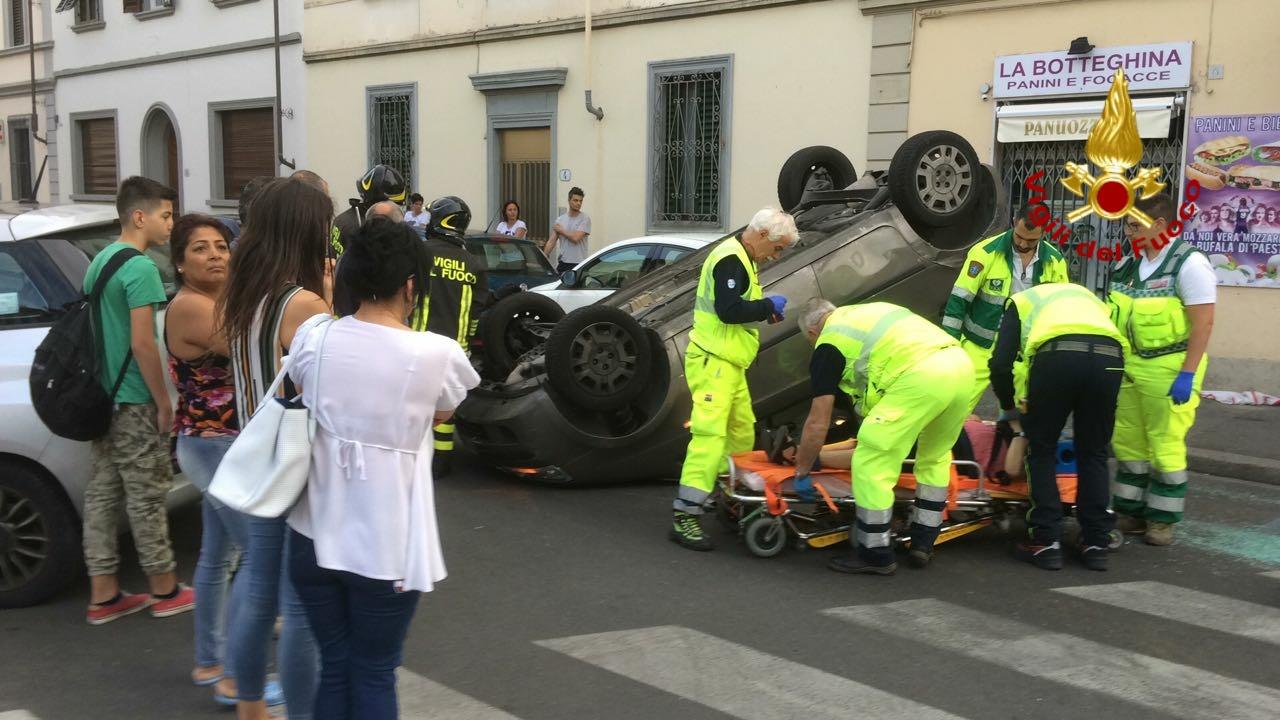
x=20 y=170
x=525 y=167
x=161 y=160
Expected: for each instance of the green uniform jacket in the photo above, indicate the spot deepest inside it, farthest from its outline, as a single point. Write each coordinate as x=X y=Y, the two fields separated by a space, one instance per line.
x=977 y=301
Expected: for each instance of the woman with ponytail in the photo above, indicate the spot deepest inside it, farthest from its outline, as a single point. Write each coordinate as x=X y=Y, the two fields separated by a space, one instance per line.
x=363 y=542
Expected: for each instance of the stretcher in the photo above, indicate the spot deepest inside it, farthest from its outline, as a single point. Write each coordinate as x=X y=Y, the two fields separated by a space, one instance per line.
x=757 y=500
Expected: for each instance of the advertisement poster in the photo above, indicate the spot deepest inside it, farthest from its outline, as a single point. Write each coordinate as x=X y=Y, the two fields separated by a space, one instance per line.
x=1236 y=159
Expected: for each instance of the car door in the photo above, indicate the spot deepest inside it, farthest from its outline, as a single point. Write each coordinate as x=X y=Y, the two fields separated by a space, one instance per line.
x=609 y=272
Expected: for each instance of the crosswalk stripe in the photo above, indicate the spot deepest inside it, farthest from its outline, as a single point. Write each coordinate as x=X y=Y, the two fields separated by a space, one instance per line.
x=1170 y=602
x=1172 y=689
x=423 y=699
x=17 y=715
x=1273 y=574
x=684 y=662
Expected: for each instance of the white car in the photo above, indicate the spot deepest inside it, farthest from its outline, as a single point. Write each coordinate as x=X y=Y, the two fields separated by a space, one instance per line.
x=617 y=266
x=43 y=257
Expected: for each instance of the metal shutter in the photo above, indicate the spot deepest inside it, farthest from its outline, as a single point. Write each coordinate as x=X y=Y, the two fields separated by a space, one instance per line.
x=248 y=148
x=98 y=156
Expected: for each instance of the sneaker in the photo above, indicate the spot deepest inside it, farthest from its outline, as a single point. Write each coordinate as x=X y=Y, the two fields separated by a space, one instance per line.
x=126 y=604
x=1159 y=533
x=184 y=601
x=1130 y=525
x=272 y=694
x=687 y=531
x=1094 y=557
x=1045 y=557
x=853 y=564
x=919 y=559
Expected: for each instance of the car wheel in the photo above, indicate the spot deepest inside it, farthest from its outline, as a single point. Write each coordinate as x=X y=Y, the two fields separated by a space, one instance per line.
x=598 y=357
x=934 y=178
x=511 y=328
x=39 y=538
x=819 y=166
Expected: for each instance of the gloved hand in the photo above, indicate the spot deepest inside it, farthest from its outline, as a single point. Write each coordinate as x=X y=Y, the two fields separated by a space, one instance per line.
x=779 y=304
x=1009 y=415
x=1180 y=391
x=804 y=488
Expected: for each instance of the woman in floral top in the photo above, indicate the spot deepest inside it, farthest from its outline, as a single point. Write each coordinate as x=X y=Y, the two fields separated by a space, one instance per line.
x=205 y=422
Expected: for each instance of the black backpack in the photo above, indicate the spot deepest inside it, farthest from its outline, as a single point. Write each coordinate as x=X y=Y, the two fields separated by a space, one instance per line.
x=65 y=390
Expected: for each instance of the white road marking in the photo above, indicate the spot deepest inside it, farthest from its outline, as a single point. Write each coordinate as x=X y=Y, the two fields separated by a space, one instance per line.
x=1274 y=574
x=733 y=678
x=17 y=715
x=1170 y=602
x=1172 y=689
x=423 y=699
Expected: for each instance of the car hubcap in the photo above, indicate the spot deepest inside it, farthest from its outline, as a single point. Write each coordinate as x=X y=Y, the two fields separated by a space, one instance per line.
x=23 y=540
x=603 y=358
x=944 y=179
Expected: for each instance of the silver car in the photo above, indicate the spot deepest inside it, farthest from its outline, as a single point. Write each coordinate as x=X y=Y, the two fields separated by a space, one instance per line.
x=43 y=257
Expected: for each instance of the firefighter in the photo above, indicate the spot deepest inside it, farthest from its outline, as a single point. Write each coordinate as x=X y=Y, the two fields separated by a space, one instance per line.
x=458 y=290
x=997 y=267
x=912 y=384
x=1164 y=303
x=722 y=344
x=382 y=182
x=1075 y=356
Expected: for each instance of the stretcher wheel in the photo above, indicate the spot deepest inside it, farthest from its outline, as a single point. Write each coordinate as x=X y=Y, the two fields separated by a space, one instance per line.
x=1115 y=540
x=766 y=536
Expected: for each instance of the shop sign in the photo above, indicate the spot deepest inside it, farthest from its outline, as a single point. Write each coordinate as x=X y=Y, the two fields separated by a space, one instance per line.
x=1236 y=158
x=1047 y=122
x=1148 y=67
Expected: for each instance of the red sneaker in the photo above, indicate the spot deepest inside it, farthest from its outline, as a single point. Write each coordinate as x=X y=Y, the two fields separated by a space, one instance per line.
x=176 y=605
x=127 y=604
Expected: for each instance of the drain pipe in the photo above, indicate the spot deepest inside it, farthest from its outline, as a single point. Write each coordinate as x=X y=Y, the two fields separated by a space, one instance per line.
x=275 y=9
x=598 y=112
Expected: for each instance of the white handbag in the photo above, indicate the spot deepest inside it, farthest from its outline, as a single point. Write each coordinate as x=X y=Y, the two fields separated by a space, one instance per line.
x=265 y=470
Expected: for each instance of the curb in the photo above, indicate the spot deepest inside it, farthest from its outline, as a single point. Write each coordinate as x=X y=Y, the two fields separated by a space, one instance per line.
x=1233 y=465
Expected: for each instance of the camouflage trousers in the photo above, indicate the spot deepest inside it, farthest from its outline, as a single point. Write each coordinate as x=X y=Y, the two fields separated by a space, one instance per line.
x=130 y=467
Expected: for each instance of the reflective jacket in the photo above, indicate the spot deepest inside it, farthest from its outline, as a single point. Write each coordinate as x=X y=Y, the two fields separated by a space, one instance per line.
x=737 y=344
x=1149 y=312
x=977 y=301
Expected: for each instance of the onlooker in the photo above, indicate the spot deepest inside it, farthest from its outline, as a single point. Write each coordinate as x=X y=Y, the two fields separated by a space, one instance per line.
x=206 y=424
x=512 y=225
x=573 y=227
x=417 y=215
x=386 y=209
x=313 y=179
x=247 y=194
x=131 y=462
x=364 y=542
x=277 y=281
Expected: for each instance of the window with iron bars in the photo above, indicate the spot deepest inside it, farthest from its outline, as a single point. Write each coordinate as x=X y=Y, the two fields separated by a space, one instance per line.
x=391 y=129
x=689 y=148
x=1019 y=161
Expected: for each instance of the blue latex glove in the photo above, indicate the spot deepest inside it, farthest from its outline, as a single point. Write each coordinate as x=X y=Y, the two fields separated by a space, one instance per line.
x=1180 y=391
x=779 y=304
x=804 y=488
x=1010 y=415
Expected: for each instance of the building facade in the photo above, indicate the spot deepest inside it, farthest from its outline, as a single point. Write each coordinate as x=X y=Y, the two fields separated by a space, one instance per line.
x=182 y=91
x=28 y=157
x=694 y=104
x=1025 y=95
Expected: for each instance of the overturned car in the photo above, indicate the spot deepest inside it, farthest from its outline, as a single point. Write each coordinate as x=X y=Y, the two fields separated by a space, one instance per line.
x=600 y=396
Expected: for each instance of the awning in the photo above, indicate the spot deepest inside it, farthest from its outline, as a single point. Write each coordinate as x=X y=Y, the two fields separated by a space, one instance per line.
x=1036 y=122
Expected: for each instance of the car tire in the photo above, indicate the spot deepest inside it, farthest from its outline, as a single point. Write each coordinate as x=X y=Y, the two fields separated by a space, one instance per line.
x=505 y=333
x=598 y=358
x=816 y=164
x=35 y=519
x=934 y=178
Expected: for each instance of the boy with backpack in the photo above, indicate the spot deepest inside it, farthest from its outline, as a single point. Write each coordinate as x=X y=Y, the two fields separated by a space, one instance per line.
x=131 y=461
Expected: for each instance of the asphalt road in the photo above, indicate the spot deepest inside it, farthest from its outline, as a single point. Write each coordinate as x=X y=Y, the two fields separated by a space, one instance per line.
x=568 y=603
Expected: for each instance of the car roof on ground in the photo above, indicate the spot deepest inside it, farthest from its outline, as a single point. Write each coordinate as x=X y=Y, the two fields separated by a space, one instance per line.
x=57 y=218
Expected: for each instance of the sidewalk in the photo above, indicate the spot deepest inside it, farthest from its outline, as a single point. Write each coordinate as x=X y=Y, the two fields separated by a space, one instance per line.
x=1238 y=441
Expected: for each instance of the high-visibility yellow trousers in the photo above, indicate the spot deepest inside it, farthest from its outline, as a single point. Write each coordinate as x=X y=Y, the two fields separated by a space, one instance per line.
x=979 y=356
x=722 y=424
x=926 y=406
x=1150 y=439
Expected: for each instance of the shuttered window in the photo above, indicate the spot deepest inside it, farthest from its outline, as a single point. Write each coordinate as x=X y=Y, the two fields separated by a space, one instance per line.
x=98 y=174
x=248 y=147
x=133 y=6
x=88 y=11
x=17 y=22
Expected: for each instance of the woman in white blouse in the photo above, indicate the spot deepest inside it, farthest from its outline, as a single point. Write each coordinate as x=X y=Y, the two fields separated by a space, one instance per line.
x=363 y=538
x=512 y=225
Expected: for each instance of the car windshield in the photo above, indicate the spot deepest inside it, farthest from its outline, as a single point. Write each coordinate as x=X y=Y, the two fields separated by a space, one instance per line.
x=91 y=241
x=510 y=257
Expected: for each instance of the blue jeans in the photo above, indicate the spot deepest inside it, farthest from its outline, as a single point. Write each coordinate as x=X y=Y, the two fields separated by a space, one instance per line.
x=360 y=625
x=223 y=529
x=269 y=591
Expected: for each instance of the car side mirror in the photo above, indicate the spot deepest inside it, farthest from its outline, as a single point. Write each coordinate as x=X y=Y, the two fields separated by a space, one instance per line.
x=569 y=277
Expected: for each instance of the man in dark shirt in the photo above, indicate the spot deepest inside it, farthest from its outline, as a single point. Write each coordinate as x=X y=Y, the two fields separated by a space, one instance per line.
x=380 y=183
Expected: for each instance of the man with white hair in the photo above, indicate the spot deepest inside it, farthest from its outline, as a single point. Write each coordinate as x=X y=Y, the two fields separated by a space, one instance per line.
x=912 y=383
x=723 y=343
